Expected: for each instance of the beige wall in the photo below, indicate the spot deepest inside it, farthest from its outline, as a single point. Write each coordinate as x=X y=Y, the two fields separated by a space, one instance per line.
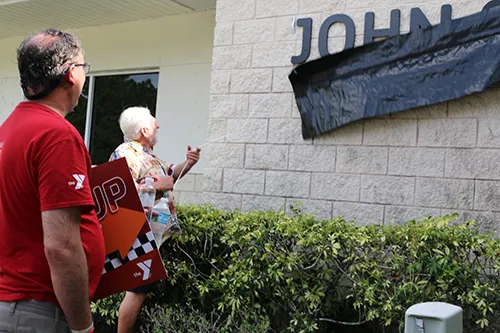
x=180 y=47
x=429 y=161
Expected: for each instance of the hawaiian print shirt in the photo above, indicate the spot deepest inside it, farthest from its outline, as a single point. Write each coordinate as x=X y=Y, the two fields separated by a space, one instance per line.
x=142 y=162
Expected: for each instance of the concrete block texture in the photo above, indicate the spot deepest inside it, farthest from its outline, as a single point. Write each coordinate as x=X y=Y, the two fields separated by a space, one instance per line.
x=254 y=31
x=473 y=164
x=447 y=132
x=402 y=214
x=271 y=105
x=361 y=214
x=252 y=203
x=421 y=162
x=363 y=160
x=251 y=80
x=232 y=57
x=243 y=181
x=445 y=193
x=312 y=158
x=335 y=187
x=273 y=8
x=387 y=190
x=487 y=196
x=390 y=132
x=416 y=162
x=230 y=10
x=266 y=157
x=288 y=184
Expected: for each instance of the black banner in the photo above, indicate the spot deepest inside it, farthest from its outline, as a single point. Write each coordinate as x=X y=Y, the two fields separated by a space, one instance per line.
x=426 y=66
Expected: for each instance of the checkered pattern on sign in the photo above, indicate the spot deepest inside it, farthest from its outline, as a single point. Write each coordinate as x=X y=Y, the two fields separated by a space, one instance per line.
x=143 y=244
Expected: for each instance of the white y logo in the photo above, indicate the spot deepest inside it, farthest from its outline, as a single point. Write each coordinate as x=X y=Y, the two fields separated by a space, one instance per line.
x=79 y=181
x=146 y=268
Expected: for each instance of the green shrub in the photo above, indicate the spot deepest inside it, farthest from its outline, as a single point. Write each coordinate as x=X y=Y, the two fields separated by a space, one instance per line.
x=432 y=260
x=106 y=312
x=176 y=319
x=300 y=274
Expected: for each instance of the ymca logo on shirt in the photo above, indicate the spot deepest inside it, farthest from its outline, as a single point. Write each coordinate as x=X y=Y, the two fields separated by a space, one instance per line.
x=78 y=184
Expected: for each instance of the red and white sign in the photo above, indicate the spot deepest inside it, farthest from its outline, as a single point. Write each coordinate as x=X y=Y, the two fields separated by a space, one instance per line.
x=132 y=256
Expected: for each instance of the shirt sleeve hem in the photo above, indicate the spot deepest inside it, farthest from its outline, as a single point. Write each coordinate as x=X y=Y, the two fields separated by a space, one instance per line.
x=70 y=204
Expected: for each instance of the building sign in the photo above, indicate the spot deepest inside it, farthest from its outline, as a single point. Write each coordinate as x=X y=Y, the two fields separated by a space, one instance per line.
x=418 y=20
x=400 y=73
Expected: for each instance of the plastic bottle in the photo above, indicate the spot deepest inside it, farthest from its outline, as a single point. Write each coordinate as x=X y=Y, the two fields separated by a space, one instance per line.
x=147 y=195
x=174 y=223
x=159 y=222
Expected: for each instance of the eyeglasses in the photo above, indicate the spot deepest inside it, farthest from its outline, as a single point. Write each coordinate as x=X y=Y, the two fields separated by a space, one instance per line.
x=85 y=66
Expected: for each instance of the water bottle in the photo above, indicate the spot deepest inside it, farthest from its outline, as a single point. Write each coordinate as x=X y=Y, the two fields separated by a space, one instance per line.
x=147 y=195
x=160 y=221
x=174 y=226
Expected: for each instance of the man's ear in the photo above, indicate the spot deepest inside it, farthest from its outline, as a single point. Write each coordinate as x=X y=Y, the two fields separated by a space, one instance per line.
x=69 y=77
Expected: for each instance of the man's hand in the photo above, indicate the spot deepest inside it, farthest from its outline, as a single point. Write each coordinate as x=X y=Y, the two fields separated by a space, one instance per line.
x=153 y=213
x=164 y=184
x=192 y=156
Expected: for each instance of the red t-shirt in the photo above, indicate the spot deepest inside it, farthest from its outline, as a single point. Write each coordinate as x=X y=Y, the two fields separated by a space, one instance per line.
x=44 y=165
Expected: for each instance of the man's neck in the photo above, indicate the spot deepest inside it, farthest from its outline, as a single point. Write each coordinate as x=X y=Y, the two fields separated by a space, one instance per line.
x=56 y=107
x=145 y=143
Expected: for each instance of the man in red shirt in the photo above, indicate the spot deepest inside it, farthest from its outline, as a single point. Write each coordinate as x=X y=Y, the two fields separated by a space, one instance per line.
x=51 y=243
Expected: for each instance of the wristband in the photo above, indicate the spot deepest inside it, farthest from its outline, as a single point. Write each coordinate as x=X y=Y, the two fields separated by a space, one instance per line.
x=171 y=169
x=87 y=330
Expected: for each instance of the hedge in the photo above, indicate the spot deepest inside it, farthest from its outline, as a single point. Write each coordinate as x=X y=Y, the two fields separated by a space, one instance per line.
x=267 y=271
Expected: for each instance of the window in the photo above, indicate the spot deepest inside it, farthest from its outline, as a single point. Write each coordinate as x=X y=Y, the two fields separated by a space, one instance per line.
x=103 y=99
x=79 y=114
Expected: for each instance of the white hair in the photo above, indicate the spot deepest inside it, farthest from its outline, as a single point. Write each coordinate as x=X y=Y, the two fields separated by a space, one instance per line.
x=132 y=120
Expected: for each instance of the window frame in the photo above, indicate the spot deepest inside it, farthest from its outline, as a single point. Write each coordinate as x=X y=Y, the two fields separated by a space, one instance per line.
x=90 y=100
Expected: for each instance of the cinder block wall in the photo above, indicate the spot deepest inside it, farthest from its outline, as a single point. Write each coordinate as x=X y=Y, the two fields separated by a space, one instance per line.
x=429 y=161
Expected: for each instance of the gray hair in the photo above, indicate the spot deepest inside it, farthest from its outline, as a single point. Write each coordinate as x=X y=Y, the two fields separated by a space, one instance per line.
x=42 y=60
x=132 y=120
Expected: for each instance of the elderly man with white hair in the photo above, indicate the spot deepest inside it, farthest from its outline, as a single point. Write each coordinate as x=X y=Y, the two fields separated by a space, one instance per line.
x=140 y=132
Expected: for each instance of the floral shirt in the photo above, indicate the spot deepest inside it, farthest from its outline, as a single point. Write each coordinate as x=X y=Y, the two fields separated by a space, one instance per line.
x=142 y=162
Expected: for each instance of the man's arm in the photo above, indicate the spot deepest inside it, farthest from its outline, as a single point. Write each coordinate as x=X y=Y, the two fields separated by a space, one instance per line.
x=183 y=167
x=164 y=184
x=68 y=264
